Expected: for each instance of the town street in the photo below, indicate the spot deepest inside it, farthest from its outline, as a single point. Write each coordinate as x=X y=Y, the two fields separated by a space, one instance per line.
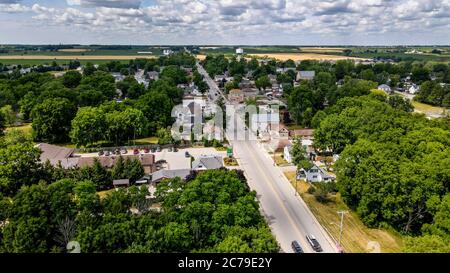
x=287 y=214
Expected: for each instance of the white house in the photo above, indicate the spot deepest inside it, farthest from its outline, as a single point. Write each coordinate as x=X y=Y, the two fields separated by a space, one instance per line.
x=306 y=75
x=315 y=174
x=413 y=89
x=167 y=52
x=239 y=51
x=287 y=153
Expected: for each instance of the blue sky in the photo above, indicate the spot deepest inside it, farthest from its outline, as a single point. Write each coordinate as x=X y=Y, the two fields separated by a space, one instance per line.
x=296 y=22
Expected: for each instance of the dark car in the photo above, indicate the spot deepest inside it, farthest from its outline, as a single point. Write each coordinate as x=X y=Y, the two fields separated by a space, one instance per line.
x=314 y=243
x=153 y=149
x=186 y=154
x=296 y=247
x=146 y=150
x=136 y=151
x=117 y=152
x=107 y=153
x=175 y=149
x=158 y=149
x=100 y=153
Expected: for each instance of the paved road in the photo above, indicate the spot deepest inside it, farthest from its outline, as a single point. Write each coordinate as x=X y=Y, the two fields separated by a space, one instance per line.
x=288 y=216
x=214 y=91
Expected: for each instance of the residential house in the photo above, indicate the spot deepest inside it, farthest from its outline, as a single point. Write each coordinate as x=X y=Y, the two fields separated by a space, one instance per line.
x=211 y=162
x=239 y=51
x=190 y=114
x=121 y=183
x=306 y=75
x=265 y=122
x=386 y=88
x=147 y=161
x=236 y=96
x=302 y=133
x=153 y=75
x=246 y=83
x=287 y=153
x=315 y=174
x=161 y=175
x=413 y=89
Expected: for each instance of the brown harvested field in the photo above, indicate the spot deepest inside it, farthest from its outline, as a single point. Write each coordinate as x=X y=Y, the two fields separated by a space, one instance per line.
x=321 y=49
x=201 y=57
x=75 y=57
x=303 y=56
x=74 y=50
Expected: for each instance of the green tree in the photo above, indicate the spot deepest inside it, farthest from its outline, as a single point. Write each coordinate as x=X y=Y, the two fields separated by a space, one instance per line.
x=51 y=120
x=88 y=126
x=263 y=82
x=71 y=79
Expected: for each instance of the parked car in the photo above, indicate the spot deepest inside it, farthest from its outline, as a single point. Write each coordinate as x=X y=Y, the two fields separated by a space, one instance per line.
x=175 y=149
x=296 y=247
x=117 y=151
x=100 y=153
x=314 y=243
x=186 y=154
x=124 y=151
x=169 y=149
x=107 y=153
x=146 y=150
x=136 y=151
x=158 y=149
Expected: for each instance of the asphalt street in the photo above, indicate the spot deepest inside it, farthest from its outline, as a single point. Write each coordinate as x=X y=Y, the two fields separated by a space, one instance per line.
x=287 y=214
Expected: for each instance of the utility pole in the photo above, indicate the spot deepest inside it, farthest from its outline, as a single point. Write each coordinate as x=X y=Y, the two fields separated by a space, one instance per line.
x=341 y=213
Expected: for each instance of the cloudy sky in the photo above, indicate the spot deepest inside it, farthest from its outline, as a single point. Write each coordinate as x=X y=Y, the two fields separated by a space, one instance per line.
x=249 y=22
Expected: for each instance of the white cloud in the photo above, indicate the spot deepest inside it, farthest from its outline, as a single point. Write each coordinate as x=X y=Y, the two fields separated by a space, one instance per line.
x=12 y=8
x=230 y=20
x=106 y=3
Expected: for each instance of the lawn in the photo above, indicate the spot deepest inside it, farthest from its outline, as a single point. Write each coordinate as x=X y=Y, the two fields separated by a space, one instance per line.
x=356 y=235
x=279 y=159
x=146 y=141
x=26 y=128
x=429 y=109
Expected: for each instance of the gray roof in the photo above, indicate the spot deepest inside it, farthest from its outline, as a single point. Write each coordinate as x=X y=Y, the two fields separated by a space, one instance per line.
x=208 y=162
x=121 y=182
x=56 y=154
x=167 y=174
x=306 y=74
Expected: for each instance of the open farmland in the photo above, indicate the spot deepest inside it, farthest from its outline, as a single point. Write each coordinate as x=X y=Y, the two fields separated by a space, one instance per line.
x=74 y=57
x=303 y=56
x=74 y=50
x=322 y=49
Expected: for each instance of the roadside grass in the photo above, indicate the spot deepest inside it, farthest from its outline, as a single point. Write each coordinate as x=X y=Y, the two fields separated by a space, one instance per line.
x=279 y=159
x=230 y=162
x=430 y=109
x=356 y=235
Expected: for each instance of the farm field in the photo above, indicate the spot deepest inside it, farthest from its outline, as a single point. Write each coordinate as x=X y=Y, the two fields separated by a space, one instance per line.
x=75 y=57
x=303 y=56
x=356 y=236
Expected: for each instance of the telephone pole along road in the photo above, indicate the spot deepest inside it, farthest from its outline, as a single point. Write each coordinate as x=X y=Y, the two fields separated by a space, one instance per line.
x=287 y=214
